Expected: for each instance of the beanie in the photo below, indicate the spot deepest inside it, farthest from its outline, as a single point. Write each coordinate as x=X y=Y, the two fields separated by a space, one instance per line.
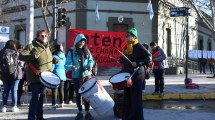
x=133 y=31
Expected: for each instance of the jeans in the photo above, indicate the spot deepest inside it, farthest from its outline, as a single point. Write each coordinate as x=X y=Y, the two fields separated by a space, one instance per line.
x=13 y=86
x=36 y=103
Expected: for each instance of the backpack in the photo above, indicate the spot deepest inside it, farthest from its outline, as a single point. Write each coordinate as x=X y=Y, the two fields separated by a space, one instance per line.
x=9 y=63
x=95 y=66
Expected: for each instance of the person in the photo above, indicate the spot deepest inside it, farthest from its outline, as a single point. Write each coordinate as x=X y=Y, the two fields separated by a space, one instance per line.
x=10 y=81
x=22 y=81
x=211 y=65
x=158 y=59
x=80 y=61
x=39 y=59
x=69 y=87
x=58 y=67
x=139 y=57
x=69 y=91
x=148 y=67
x=202 y=64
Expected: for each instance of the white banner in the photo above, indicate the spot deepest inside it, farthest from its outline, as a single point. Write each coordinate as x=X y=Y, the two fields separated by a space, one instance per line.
x=205 y=55
x=209 y=54
x=199 y=53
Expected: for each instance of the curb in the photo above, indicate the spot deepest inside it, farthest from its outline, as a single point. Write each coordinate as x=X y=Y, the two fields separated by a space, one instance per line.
x=179 y=96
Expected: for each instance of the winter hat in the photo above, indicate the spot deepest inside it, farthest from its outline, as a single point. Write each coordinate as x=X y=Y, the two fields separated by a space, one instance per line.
x=133 y=31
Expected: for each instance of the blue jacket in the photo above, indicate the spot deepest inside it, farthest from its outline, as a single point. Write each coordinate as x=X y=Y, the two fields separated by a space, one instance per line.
x=59 y=68
x=72 y=59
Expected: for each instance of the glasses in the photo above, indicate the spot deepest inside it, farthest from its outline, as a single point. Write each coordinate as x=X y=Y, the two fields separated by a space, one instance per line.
x=43 y=36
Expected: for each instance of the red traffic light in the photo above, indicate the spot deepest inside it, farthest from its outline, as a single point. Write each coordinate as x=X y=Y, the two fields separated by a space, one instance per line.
x=62 y=10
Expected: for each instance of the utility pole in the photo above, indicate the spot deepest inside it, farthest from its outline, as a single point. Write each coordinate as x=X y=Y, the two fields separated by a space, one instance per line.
x=30 y=22
x=54 y=22
x=187 y=41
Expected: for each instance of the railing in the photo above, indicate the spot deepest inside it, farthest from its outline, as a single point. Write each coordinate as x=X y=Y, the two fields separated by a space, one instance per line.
x=180 y=62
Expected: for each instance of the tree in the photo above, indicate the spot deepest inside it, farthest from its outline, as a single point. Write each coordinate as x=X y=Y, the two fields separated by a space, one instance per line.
x=208 y=6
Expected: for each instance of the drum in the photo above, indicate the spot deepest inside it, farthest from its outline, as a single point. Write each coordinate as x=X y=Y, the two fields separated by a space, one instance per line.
x=49 y=79
x=121 y=80
x=98 y=98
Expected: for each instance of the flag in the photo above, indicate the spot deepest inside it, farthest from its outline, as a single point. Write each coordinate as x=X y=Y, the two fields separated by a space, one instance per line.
x=150 y=9
x=97 y=12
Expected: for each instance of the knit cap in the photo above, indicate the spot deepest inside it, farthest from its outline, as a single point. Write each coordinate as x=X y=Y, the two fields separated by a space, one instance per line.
x=133 y=31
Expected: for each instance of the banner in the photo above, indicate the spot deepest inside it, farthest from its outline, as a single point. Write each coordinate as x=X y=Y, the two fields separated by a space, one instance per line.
x=102 y=44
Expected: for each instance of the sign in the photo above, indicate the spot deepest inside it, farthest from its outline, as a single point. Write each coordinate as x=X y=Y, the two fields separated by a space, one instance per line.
x=103 y=45
x=179 y=11
x=4 y=33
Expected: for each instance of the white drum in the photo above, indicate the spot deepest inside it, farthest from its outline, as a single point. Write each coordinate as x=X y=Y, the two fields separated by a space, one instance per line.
x=49 y=79
x=97 y=96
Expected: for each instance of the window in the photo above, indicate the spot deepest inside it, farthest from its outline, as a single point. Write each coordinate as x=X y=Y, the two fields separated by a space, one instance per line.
x=120 y=27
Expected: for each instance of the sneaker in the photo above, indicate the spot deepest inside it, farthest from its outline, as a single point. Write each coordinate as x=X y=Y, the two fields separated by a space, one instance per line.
x=15 y=109
x=61 y=105
x=155 y=93
x=79 y=116
x=88 y=116
x=70 y=102
x=4 y=109
x=161 y=94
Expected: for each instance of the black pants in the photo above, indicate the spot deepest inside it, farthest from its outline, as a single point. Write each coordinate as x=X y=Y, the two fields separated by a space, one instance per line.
x=211 y=69
x=132 y=103
x=61 y=93
x=159 y=79
x=20 y=90
x=202 y=68
x=78 y=82
x=68 y=90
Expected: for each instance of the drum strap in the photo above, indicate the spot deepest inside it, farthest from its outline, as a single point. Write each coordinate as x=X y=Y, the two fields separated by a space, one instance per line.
x=34 y=69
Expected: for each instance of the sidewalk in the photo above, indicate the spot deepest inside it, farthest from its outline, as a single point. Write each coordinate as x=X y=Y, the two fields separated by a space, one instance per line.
x=174 y=87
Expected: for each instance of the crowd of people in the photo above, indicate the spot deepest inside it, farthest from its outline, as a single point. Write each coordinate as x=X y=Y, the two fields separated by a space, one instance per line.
x=38 y=57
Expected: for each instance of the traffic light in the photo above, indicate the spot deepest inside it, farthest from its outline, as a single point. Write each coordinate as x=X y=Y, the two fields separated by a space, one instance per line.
x=61 y=17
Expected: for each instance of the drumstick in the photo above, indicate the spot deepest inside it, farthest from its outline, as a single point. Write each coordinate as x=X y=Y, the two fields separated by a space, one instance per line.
x=124 y=56
x=135 y=70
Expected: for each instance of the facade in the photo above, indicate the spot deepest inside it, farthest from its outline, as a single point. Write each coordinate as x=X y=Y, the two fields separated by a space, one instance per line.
x=168 y=32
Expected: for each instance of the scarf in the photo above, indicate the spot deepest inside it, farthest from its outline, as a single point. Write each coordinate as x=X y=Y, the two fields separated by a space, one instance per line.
x=129 y=47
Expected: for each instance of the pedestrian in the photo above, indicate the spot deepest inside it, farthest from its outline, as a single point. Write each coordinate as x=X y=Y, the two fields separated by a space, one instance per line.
x=202 y=64
x=211 y=65
x=69 y=91
x=58 y=67
x=11 y=73
x=158 y=59
x=39 y=59
x=69 y=87
x=139 y=57
x=80 y=61
x=147 y=69
x=22 y=80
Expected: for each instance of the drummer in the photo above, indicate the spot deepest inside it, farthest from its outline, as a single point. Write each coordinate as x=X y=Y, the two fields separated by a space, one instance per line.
x=38 y=58
x=80 y=61
x=135 y=55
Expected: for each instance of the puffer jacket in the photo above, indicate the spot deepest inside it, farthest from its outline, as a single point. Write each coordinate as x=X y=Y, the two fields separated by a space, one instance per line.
x=43 y=63
x=59 y=67
x=72 y=60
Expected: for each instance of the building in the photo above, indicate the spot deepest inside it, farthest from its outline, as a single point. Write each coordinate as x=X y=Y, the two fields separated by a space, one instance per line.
x=118 y=15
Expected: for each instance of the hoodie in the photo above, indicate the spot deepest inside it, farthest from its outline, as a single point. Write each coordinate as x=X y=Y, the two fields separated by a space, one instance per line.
x=73 y=59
